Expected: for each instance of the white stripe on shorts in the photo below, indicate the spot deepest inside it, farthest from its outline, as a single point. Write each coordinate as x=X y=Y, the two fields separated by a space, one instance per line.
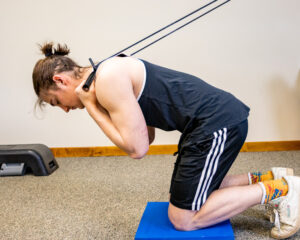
x=216 y=163
x=210 y=168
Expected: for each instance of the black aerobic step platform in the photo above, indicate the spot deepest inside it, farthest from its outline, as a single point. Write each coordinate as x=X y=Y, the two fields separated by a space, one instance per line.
x=24 y=158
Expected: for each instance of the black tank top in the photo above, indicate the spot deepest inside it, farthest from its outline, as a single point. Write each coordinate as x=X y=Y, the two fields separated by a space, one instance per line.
x=173 y=100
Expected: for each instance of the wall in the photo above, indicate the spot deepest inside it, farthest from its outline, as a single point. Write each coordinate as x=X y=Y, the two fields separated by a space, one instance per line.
x=247 y=47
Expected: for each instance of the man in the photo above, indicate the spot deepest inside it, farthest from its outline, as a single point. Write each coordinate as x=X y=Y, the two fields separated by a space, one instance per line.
x=131 y=97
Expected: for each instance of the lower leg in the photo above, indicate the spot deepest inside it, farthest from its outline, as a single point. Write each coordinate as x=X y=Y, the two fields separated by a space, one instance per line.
x=235 y=180
x=233 y=197
x=225 y=203
x=255 y=177
x=222 y=204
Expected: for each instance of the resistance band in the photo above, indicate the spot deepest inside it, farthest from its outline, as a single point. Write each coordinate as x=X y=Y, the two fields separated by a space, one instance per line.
x=92 y=75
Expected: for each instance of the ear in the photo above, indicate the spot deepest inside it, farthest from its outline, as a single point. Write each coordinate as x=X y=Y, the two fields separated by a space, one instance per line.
x=60 y=79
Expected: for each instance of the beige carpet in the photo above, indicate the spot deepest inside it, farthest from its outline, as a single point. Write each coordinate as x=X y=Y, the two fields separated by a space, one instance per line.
x=104 y=198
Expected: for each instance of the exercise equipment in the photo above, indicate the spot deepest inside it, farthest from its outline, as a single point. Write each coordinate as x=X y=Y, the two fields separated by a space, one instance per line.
x=155 y=225
x=91 y=77
x=26 y=158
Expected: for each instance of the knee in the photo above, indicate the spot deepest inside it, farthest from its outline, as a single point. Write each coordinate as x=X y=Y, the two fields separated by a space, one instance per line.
x=181 y=225
x=181 y=222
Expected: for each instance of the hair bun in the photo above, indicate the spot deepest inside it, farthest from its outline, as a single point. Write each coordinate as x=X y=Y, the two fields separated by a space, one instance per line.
x=61 y=50
x=46 y=49
x=49 y=50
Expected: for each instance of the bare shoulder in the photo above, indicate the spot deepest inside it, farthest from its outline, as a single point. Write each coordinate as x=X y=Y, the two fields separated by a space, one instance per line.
x=115 y=80
x=119 y=74
x=117 y=66
x=112 y=73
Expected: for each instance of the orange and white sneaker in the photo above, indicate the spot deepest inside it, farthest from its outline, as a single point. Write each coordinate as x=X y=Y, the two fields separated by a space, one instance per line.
x=287 y=214
x=278 y=173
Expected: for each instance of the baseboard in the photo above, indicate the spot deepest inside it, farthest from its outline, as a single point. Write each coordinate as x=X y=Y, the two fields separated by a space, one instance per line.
x=169 y=149
x=271 y=146
x=108 y=151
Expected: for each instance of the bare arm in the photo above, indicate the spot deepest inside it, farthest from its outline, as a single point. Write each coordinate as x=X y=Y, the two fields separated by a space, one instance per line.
x=116 y=111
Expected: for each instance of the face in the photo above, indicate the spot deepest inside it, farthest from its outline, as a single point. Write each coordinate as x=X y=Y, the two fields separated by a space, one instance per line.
x=63 y=95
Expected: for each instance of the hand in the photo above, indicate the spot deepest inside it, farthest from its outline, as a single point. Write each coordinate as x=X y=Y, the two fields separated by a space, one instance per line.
x=87 y=97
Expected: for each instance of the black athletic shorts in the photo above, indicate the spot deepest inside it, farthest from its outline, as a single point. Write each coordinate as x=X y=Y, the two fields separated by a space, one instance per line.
x=202 y=163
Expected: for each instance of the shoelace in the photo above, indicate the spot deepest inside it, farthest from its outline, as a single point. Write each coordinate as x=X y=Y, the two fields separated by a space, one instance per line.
x=277 y=219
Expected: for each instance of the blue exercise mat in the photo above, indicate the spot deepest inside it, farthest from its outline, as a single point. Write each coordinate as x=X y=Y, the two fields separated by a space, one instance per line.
x=155 y=225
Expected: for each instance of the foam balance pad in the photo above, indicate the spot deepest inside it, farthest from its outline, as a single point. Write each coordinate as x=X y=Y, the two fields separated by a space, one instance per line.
x=156 y=225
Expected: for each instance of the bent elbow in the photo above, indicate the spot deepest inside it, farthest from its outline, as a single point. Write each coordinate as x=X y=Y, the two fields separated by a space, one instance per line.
x=139 y=154
x=136 y=156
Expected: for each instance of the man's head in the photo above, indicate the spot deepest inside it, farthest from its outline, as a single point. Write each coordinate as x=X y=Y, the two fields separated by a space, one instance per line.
x=55 y=78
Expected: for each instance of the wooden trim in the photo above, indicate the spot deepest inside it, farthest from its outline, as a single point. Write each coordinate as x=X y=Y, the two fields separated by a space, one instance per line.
x=271 y=146
x=108 y=151
x=169 y=149
x=87 y=151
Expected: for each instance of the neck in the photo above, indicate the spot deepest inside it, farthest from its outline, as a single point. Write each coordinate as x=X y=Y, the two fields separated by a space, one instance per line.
x=86 y=71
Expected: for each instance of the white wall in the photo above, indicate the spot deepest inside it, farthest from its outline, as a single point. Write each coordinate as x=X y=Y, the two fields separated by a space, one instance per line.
x=248 y=47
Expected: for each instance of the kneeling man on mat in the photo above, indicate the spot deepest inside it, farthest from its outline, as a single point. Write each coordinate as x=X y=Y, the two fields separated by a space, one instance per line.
x=131 y=97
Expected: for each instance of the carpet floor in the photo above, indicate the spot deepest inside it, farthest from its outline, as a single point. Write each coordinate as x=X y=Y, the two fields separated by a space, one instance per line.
x=105 y=197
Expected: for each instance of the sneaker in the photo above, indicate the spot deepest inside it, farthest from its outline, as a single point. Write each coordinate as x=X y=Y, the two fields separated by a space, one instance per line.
x=287 y=215
x=272 y=207
x=278 y=173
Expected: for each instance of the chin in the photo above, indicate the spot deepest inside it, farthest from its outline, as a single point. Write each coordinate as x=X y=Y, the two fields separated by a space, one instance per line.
x=80 y=106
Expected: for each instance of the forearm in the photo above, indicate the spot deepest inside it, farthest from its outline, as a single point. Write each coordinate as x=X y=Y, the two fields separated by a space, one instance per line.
x=103 y=120
x=122 y=122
